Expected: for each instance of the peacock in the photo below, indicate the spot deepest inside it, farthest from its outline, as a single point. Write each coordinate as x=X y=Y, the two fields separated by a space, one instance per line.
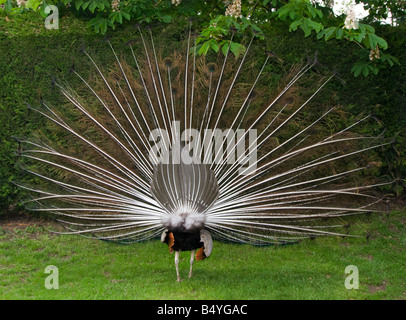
x=165 y=143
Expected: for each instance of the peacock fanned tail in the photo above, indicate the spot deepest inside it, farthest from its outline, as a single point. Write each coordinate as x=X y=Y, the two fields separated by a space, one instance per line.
x=265 y=161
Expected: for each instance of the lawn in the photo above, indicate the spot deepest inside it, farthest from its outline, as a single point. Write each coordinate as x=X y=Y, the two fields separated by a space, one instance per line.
x=313 y=269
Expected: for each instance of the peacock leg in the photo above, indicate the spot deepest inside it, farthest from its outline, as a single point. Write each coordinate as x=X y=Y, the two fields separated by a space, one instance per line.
x=177 y=265
x=192 y=256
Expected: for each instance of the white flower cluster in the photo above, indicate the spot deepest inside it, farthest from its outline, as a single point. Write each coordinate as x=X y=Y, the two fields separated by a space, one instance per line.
x=374 y=54
x=114 y=5
x=176 y=2
x=234 y=9
x=21 y=3
x=351 y=21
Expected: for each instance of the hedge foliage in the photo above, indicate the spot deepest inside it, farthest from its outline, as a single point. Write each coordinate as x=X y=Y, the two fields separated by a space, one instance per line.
x=31 y=55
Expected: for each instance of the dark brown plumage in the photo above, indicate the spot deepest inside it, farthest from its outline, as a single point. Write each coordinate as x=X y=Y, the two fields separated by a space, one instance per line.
x=183 y=241
x=198 y=243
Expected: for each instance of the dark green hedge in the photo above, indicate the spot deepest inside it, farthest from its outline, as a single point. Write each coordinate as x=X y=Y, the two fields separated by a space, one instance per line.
x=31 y=56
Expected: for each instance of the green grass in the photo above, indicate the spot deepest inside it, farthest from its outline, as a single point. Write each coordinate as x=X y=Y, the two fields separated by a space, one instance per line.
x=313 y=269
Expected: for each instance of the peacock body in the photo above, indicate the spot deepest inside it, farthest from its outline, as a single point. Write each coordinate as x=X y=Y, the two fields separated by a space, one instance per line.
x=187 y=148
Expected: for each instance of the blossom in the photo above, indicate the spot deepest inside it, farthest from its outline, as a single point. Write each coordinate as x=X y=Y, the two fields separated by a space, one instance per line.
x=351 y=21
x=176 y=2
x=21 y=3
x=114 y=5
x=374 y=54
x=234 y=9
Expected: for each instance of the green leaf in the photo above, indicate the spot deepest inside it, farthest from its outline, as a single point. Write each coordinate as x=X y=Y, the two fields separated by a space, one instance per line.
x=391 y=60
x=365 y=70
x=93 y=5
x=315 y=25
x=374 y=69
x=224 y=49
x=78 y=4
x=321 y=34
x=256 y=28
x=283 y=12
x=319 y=13
x=360 y=37
x=167 y=18
x=199 y=39
x=306 y=28
x=357 y=68
x=366 y=28
x=228 y=21
x=214 y=45
x=339 y=33
x=295 y=24
x=382 y=43
x=42 y=10
x=126 y=15
x=85 y=5
x=237 y=25
x=311 y=10
x=116 y=16
x=372 y=40
x=237 y=49
x=33 y=4
x=329 y=33
x=100 y=24
x=204 y=48
x=395 y=60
